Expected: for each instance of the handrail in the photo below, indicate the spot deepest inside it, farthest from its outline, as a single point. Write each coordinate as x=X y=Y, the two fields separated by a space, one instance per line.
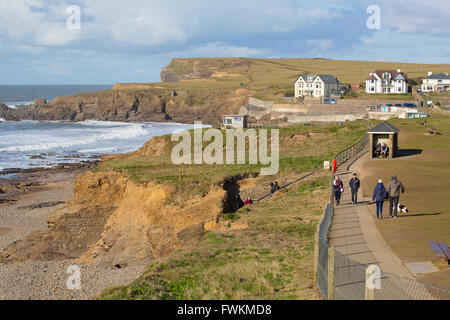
x=356 y=148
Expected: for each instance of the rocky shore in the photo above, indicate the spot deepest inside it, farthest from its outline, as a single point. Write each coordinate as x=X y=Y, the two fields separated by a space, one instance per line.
x=26 y=201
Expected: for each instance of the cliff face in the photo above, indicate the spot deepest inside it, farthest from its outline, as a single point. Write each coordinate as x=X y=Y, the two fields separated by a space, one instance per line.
x=131 y=103
x=114 y=221
x=206 y=68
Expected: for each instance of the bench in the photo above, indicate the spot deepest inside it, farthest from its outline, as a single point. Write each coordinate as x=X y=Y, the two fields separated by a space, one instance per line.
x=441 y=249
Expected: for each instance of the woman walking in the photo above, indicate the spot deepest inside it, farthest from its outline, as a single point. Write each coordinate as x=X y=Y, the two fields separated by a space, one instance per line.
x=379 y=195
x=338 y=187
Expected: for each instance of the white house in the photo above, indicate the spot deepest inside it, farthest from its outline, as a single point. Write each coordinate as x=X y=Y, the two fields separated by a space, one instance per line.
x=235 y=121
x=387 y=81
x=318 y=86
x=436 y=82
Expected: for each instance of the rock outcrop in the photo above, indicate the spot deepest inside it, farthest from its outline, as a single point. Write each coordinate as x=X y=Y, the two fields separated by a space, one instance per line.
x=113 y=221
x=135 y=105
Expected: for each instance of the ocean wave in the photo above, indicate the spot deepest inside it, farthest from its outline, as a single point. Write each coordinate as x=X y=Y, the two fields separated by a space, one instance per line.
x=118 y=133
x=17 y=104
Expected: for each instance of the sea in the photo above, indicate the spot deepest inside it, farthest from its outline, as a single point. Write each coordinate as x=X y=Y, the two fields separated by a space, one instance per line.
x=35 y=144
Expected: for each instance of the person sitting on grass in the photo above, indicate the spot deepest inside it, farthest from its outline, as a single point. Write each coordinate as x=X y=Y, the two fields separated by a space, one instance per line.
x=248 y=202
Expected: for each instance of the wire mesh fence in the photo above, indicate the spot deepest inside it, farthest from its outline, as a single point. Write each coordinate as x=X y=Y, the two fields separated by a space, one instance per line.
x=348 y=279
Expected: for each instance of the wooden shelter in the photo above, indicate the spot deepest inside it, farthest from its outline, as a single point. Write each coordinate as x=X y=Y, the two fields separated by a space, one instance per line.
x=383 y=133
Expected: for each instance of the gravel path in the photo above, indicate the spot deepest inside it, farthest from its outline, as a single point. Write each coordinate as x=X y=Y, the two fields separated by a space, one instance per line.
x=37 y=280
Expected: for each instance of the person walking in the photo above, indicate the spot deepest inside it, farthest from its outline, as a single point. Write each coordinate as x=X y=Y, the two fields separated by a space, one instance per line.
x=379 y=195
x=338 y=187
x=394 y=189
x=355 y=184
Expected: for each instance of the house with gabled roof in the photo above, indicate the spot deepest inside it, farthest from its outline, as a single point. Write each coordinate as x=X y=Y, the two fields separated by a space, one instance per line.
x=318 y=86
x=387 y=82
x=436 y=82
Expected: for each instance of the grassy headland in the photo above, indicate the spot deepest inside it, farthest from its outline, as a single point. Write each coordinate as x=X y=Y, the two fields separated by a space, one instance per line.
x=270 y=254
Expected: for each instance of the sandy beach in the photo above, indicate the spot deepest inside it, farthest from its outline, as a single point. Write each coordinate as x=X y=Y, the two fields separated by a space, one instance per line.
x=26 y=201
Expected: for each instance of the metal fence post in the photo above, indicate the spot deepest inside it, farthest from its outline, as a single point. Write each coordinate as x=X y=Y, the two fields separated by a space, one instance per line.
x=331 y=273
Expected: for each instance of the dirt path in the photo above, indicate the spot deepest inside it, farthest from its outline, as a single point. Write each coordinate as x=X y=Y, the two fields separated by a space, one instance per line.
x=27 y=211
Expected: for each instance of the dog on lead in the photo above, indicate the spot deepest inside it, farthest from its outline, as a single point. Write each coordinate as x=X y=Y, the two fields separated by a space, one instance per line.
x=402 y=208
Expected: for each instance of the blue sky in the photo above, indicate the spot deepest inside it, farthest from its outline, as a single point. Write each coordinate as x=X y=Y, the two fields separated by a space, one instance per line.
x=130 y=41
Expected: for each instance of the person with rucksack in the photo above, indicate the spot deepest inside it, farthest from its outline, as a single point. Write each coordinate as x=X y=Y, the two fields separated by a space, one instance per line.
x=379 y=195
x=394 y=189
x=355 y=184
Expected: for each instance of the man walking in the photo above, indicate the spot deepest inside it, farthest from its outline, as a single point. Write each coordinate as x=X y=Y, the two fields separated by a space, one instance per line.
x=355 y=184
x=394 y=189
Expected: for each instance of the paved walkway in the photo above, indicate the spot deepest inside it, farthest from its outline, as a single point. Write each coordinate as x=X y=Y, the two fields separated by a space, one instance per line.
x=358 y=244
x=353 y=231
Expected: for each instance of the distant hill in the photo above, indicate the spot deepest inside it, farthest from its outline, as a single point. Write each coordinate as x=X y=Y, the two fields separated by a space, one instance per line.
x=259 y=73
x=205 y=88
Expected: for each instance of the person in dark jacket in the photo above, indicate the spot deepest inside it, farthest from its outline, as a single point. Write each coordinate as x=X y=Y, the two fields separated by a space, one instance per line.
x=394 y=189
x=378 y=150
x=338 y=186
x=379 y=195
x=355 y=184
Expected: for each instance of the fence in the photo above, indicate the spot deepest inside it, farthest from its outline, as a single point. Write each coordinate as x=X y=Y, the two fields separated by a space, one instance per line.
x=348 y=153
x=341 y=278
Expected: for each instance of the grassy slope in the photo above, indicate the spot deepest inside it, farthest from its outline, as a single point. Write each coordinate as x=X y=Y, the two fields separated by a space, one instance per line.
x=427 y=184
x=273 y=258
x=188 y=180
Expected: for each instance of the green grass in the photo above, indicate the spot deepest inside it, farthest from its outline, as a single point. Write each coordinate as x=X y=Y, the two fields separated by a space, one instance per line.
x=272 y=256
x=189 y=180
x=278 y=75
x=272 y=259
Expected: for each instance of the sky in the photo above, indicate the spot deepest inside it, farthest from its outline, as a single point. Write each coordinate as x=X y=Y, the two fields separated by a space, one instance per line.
x=111 y=41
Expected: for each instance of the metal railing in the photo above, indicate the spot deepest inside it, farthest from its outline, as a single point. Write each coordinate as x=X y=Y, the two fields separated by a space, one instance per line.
x=351 y=151
x=348 y=280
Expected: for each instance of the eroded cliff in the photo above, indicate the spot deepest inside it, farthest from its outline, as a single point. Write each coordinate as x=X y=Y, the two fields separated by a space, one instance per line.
x=114 y=221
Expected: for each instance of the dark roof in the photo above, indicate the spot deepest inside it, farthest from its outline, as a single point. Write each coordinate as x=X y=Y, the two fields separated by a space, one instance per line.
x=394 y=74
x=438 y=76
x=327 y=78
x=384 y=127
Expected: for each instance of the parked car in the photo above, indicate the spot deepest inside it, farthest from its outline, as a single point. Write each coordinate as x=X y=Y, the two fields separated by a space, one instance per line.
x=329 y=101
x=409 y=105
x=419 y=90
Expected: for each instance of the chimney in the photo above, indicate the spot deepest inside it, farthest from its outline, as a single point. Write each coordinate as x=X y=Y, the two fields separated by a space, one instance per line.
x=430 y=73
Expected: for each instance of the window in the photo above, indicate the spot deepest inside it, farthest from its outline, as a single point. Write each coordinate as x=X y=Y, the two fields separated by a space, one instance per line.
x=228 y=121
